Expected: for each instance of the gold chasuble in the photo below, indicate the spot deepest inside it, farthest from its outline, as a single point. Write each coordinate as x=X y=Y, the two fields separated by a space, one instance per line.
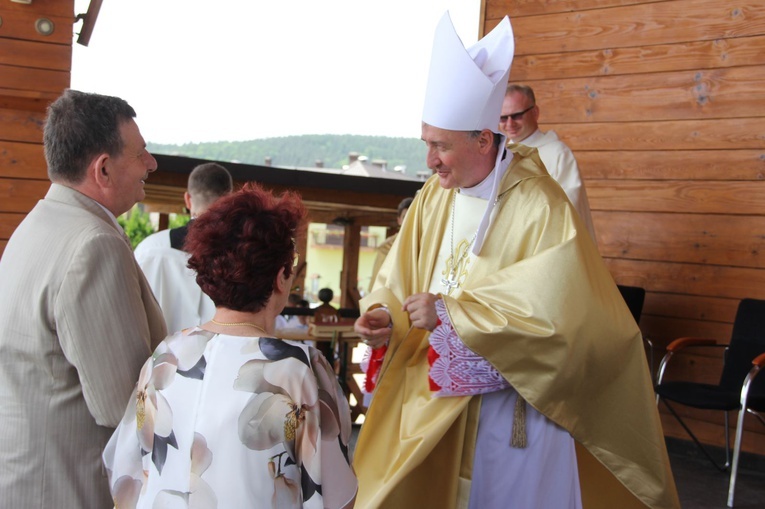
x=541 y=306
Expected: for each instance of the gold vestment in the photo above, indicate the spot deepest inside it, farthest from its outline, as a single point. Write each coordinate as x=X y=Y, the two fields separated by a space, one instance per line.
x=541 y=306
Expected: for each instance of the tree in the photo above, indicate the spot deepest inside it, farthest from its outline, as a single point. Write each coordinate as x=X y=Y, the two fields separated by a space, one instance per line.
x=137 y=224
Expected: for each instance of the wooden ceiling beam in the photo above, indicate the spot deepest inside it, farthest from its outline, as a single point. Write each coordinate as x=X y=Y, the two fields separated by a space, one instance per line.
x=364 y=201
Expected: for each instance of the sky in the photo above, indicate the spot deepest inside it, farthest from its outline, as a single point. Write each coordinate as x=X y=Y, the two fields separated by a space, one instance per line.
x=232 y=70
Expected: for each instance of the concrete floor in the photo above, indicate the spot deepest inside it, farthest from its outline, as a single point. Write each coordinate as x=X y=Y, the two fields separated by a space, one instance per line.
x=699 y=484
x=702 y=486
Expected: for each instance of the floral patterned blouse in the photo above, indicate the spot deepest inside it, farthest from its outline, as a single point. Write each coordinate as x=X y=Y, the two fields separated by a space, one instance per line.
x=228 y=422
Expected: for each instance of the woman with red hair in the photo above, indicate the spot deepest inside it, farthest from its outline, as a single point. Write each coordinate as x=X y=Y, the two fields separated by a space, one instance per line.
x=225 y=414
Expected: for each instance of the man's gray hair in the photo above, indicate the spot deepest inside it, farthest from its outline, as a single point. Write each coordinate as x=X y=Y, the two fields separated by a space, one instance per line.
x=81 y=126
x=497 y=137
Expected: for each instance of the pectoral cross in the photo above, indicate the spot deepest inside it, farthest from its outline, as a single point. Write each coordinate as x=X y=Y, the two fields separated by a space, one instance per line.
x=449 y=283
x=456 y=270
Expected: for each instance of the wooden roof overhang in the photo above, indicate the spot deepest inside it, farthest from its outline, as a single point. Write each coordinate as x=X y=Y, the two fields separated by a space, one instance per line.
x=329 y=197
x=350 y=201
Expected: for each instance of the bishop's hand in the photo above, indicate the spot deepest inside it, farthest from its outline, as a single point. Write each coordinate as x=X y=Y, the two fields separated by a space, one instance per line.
x=422 y=310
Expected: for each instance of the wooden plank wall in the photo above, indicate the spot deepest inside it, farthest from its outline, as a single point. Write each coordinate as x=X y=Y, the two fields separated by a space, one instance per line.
x=34 y=70
x=662 y=103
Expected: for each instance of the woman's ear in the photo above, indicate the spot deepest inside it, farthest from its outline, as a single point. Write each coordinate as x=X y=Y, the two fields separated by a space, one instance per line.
x=282 y=281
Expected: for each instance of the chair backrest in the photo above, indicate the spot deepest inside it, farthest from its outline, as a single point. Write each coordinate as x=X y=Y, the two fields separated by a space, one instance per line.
x=634 y=296
x=747 y=342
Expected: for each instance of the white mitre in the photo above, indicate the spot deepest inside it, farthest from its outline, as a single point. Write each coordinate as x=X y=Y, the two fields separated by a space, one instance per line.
x=466 y=87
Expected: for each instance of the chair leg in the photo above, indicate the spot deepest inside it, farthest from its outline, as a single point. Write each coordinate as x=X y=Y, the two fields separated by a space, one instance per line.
x=660 y=374
x=703 y=449
x=740 y=430
x=727 y=441
x=736 y=452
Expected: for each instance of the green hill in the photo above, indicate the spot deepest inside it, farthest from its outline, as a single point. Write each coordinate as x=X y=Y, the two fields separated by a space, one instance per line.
x=305 y=150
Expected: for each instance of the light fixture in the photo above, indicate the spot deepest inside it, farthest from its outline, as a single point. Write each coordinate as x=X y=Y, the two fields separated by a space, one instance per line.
x=44 y=26
x=22 y=1
x=88 y=21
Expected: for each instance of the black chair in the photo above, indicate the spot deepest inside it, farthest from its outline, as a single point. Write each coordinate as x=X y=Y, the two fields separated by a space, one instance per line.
x=634 y=296
x=738 y=389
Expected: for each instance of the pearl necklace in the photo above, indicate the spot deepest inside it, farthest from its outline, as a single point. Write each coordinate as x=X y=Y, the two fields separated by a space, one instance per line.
x=456 y=264
x=234 y=324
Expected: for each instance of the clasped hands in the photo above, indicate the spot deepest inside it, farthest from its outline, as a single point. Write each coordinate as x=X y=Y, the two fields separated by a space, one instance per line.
x=374 y=326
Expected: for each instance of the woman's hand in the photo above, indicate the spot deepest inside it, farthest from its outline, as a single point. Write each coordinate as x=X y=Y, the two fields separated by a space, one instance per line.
x=374 y=327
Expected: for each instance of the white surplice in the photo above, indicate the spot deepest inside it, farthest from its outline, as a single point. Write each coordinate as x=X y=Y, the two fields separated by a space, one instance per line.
x=183 y=302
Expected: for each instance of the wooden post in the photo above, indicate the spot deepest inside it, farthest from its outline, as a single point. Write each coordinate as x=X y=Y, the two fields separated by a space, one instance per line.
x=298 y=284
x=164 y=221
x=349 y=276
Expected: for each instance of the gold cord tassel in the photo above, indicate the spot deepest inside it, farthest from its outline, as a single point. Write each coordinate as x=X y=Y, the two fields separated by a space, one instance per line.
x=519 y=424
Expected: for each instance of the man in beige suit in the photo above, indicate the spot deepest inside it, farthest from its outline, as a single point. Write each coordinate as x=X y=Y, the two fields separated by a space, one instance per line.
x=77 y=317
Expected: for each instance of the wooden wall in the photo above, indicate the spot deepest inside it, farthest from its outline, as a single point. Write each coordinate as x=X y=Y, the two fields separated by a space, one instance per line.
x=34 y=70
x=661 y=101
x=663 y=104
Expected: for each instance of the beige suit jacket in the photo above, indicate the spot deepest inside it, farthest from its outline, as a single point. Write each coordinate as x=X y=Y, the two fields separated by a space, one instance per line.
x=77 y=321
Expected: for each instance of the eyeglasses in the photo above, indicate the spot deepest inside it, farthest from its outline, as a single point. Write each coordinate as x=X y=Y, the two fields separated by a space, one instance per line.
x=515 y=116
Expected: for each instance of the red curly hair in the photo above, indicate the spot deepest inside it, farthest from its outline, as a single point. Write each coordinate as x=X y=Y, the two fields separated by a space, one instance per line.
x=239 y=244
